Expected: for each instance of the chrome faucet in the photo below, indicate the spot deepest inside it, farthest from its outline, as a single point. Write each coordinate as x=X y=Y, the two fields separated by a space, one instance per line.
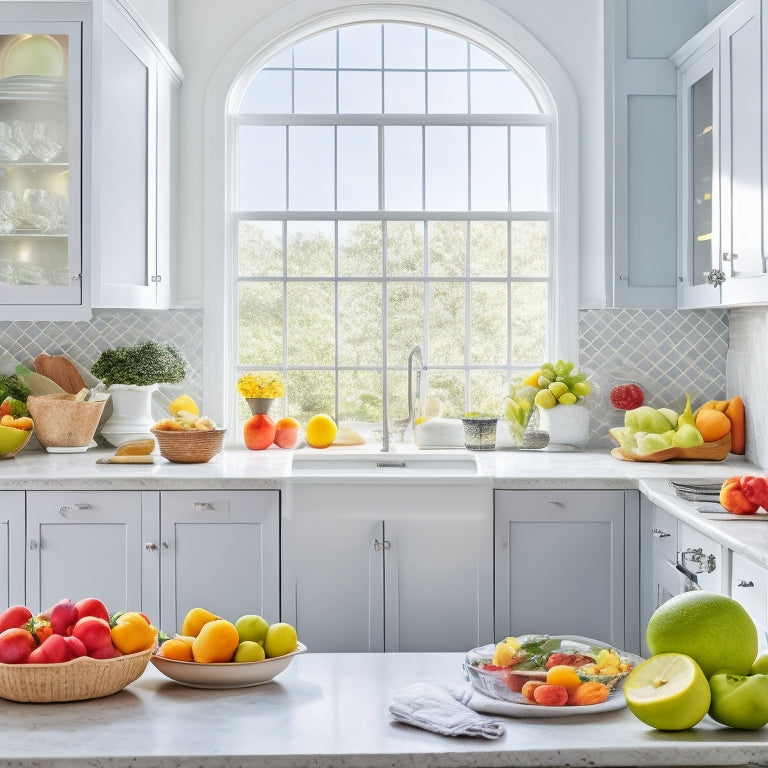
x=415 y=362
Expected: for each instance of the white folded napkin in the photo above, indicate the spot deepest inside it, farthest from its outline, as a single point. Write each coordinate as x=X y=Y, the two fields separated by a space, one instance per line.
x=434 y=709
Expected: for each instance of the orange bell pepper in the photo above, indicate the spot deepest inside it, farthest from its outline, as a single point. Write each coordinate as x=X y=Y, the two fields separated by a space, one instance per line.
x=132 y=632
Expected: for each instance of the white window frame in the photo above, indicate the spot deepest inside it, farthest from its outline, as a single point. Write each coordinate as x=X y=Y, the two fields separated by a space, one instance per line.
x=474 y=20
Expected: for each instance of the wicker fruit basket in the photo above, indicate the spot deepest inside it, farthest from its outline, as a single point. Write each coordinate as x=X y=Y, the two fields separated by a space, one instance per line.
x=189 y=446
x=82 y=678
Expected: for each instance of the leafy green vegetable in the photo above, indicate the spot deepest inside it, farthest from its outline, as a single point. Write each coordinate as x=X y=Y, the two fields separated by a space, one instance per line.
x=141 y=365
x=13 y=386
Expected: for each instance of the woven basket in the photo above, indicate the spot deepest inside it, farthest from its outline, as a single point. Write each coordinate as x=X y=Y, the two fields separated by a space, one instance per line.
x=189 y=446
x=63 y=422
x=82 y=678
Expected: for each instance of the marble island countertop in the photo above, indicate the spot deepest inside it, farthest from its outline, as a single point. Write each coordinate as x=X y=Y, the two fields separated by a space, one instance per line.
x=331 y=711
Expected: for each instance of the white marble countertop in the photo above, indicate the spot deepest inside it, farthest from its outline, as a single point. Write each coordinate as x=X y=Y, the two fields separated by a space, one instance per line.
x=331 y=711
x=39 y=470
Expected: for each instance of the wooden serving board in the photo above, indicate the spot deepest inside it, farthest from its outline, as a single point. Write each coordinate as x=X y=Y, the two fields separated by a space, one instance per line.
x=61 y=370
x=715 y=451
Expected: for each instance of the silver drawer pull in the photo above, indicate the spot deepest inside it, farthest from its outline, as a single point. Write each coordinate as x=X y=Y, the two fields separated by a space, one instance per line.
x=659 y=534
x=65 y=509
x=379 y=545
x=742 y=583
x=204 y=506
x=558 y=504
x=151 y=546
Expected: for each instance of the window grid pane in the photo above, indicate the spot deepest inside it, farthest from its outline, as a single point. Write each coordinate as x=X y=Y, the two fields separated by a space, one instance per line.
x=445 y=257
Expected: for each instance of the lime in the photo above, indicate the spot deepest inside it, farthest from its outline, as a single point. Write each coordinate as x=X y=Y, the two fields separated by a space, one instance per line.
x=668 y=692
x=252 y=627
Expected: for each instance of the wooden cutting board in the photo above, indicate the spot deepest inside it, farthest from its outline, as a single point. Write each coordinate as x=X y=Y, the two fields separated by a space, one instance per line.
x=61 y=370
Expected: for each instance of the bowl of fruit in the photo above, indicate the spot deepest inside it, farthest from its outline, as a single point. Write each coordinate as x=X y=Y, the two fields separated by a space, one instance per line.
x=575 y=671
x=212 y=652
x=186 y=437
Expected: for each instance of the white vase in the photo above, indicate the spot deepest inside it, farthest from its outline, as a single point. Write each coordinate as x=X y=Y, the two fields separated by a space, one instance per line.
x=131 y=413
x=567 y=425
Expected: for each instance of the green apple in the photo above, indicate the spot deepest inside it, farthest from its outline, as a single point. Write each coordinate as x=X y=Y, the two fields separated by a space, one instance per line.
x=760 y=665
x=739 y=701
x=252 y=627
x=248 y=650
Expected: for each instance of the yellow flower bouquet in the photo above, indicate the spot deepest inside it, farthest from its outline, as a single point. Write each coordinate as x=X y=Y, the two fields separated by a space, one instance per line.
x=265 y=385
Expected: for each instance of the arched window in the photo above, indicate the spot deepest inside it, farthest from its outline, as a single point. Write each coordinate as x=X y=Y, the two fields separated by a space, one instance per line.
x=392 y=184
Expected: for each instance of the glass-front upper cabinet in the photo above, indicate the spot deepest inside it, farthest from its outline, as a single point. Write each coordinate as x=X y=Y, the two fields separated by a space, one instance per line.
x=699 y=260
x=41 y=164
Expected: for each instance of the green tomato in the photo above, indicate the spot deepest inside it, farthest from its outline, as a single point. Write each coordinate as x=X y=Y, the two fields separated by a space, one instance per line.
x=739 y=701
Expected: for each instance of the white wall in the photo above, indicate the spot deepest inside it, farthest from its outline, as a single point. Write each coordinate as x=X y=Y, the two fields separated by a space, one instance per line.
x=205 y=31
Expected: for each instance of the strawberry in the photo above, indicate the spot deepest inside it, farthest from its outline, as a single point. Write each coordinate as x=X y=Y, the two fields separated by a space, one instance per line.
x=626 y=397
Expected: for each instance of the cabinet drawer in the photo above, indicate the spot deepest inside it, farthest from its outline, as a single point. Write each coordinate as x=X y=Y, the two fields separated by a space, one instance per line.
x=664 y=534
x=749 y=585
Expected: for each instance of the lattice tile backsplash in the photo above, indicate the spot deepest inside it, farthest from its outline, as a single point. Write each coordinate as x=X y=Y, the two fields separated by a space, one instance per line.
x=669 y=352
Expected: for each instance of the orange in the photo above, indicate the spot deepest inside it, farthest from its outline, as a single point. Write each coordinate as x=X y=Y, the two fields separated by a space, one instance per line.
x=177 y=649
x=216 y=643
x=562 y=674
x=712 y=424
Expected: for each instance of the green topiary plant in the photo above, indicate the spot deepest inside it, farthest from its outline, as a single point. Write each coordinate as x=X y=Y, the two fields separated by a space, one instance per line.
x=141 y=365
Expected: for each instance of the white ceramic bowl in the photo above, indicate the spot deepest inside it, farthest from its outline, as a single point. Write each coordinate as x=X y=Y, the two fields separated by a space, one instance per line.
x=225 y=675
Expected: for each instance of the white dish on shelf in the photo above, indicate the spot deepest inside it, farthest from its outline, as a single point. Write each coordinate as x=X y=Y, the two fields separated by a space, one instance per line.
x=34 y=55
x=227 y=674
x=67 y=449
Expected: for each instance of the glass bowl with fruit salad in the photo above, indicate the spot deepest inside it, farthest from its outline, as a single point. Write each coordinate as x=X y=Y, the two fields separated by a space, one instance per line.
x=512 y=669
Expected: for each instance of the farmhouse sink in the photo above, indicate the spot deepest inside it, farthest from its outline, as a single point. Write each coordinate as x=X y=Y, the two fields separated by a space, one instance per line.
x=382 y=464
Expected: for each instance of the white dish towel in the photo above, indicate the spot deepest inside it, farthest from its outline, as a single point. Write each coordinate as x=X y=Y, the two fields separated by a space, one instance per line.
x=434 y=709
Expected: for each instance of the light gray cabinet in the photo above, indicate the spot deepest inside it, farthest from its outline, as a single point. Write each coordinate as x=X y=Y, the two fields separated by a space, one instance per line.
x=159 y=552
x=11 y=548
x=567 y=562
x=218 y=550
x=419 y=579
x=86 y=544
x=721 y=122
x=749 y=585
x=135 y=117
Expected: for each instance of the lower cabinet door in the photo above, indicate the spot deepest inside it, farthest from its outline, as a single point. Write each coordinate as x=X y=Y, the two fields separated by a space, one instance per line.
x=560 y=564
x=438 y=584
x=84 y=544
x=332 y=588
x=11 y=549
x=219 y=550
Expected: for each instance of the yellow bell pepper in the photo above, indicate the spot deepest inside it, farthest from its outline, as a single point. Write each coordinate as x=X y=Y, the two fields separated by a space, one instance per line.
x=132 y=632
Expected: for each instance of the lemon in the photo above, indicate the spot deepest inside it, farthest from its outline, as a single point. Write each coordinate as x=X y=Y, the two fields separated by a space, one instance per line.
x=184 y=403
x=668 y=691
x=320 y=431
x=505 y=652
x=545 y=399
